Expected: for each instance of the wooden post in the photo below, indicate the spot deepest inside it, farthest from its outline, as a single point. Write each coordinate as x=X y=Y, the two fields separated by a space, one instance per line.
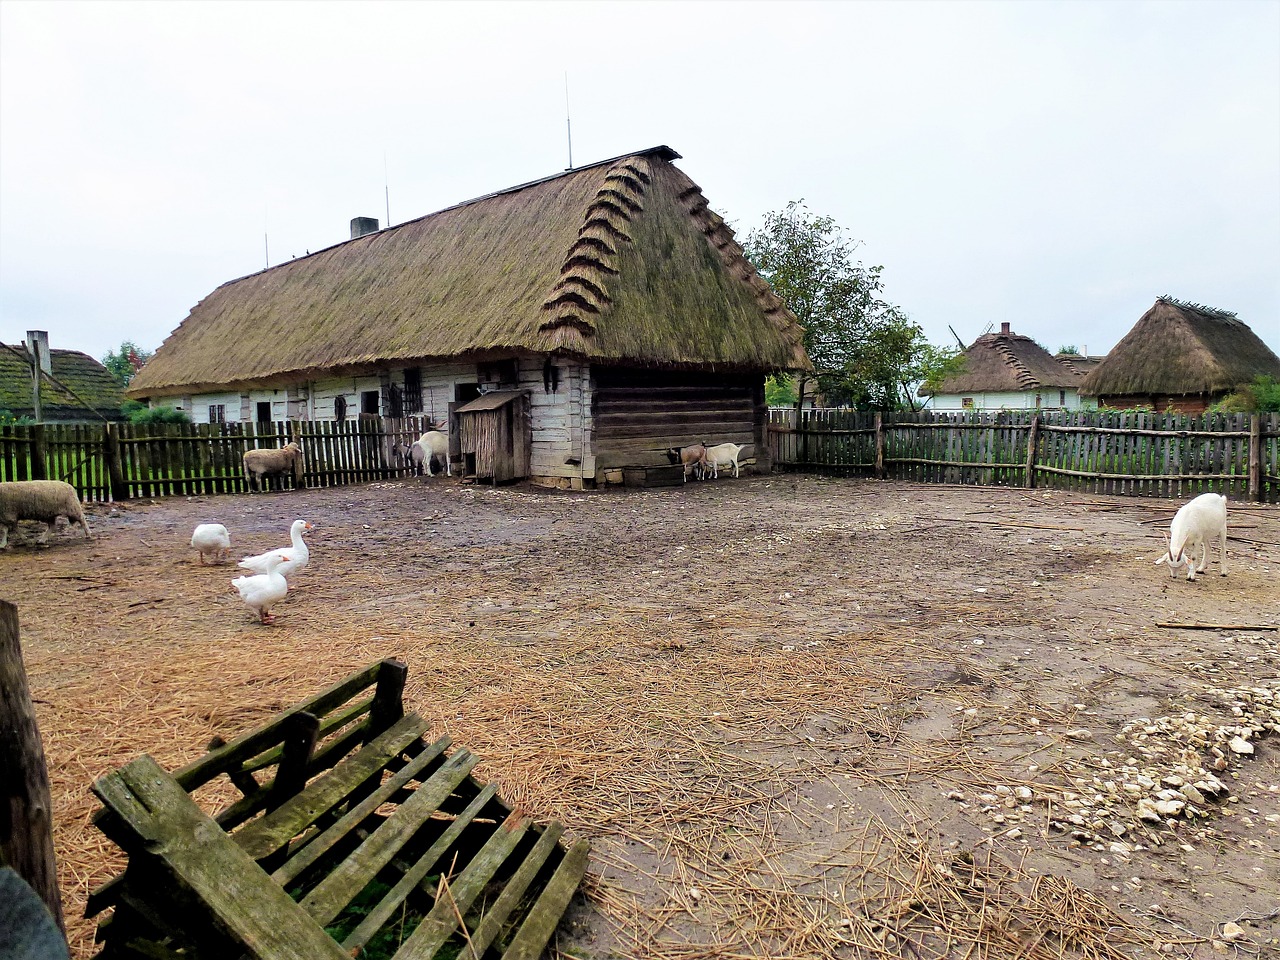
x=301 y=731
x=388 y=696
x=1255 y=458
x=115 y=470
x=39 y=453
x=879 y=445
x=26 y=823
x=1032 y=439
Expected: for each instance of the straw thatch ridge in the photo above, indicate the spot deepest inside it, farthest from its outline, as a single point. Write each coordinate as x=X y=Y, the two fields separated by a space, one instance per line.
x=1181 y=349
x=618 y=262
x=1006 y=362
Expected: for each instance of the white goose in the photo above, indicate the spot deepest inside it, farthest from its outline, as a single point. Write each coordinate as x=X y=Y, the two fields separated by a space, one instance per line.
x=264 y=589
x=212 y=538
x=299 y=555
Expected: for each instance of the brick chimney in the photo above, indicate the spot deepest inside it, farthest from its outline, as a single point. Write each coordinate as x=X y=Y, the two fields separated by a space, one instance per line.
x=1004 y=329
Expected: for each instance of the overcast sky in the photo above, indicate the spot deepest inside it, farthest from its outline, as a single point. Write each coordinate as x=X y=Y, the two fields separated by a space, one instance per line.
x=1053 y=165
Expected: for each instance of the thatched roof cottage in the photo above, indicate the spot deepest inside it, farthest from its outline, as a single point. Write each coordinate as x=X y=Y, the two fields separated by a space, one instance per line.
x=82 y=389
x=1008 y=371
x=1180 y=357
x=611 y=295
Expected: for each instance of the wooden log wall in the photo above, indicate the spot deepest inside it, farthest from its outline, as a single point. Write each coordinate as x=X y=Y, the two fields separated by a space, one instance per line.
x=1127 y=453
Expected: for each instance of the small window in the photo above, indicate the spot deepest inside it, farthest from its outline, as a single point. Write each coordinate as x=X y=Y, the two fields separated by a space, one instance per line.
x=217 y=413
x=413 y=390
x=339 y=408
x=369 y=402
x=264 y=411
x=966 y=402
x=1062 y=398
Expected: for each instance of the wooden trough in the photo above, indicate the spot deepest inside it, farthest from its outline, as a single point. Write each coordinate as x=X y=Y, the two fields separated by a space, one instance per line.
x=352 y=836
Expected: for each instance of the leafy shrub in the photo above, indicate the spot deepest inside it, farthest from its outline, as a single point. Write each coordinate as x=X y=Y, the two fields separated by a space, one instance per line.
x=140 y=413
x=1260 y=396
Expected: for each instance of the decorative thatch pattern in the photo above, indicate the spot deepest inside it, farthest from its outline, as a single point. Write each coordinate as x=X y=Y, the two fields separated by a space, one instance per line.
x=91 y=381
x=1181 y=349
x=618 y=262
x=1007 y=363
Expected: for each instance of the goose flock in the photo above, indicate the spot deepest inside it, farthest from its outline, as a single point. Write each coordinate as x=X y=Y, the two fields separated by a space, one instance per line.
x=268 y=582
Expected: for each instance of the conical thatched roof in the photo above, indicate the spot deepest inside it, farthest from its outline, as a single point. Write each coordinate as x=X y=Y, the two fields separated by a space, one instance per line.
x=1006 y=362
x=621 y=262
x=1180 y=349
x=91 y=382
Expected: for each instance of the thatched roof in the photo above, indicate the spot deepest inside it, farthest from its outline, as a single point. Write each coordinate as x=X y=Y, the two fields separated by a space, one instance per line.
x=1181 y=349
x=1082 y=365
x=89 y=379
x=618 y=262
x=1006 y=362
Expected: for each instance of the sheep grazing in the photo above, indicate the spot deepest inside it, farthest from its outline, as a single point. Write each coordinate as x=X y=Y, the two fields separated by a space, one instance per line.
x=212 y=539
x=259 y=464
x=694 y=458
x=432 y=444
x=40 y=500
x=723 y=455
x=1194 y=526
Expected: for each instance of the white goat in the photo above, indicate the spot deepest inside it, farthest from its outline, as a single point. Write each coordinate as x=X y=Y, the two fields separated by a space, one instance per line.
x=1194 y=526
x=41 y=500
x=693 y=457
x=433 y=443
x=722 y=455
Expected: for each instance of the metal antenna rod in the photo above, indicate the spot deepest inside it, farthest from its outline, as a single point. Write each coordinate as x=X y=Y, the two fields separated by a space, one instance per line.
x=567 y=125
x=386 y=185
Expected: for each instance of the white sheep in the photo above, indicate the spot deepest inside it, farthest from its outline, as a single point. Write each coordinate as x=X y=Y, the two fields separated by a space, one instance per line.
x=722 y=455
x=41 y=500
x=259 y=464
x=433 y=443
x=1194 y=526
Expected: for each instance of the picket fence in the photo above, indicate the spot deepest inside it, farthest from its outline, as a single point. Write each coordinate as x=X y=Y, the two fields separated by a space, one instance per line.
x=1110 y=452
x=125 y=461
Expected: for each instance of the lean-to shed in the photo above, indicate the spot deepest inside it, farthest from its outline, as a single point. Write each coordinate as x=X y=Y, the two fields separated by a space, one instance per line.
x=610 y=294
x=1181 y=357
x=495 y=437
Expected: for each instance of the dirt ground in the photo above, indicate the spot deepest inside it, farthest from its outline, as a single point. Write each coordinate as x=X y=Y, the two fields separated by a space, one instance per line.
x=796 y=717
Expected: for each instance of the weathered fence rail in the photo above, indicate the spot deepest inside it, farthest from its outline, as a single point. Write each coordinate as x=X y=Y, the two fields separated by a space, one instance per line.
x=1112 y=452
x=123 y=461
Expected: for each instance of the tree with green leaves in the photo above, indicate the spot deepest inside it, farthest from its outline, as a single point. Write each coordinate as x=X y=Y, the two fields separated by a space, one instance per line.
x=865 y=351
x=126 y=361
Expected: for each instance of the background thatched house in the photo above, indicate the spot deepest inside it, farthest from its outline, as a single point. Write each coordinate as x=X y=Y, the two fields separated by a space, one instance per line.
x=1007 y=371
x=610 y=294
x=1180 y=357
x=94 y=394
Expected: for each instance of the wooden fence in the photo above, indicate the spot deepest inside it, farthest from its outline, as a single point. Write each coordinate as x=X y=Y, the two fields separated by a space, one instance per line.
x=1112 y=452
x=123 y=461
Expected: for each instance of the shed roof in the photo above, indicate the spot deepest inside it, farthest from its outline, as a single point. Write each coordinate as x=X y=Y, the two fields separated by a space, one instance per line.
x=1180 y=349
x=1006 y=362
x=89 y=379
x=490 y=401
x=618 y=262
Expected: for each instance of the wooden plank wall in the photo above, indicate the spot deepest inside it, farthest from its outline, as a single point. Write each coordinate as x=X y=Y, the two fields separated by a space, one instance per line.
x=637 y=416
x=1127 y=453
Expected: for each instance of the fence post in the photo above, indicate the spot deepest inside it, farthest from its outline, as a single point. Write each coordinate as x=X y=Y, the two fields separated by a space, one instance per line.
x=1255 y=457
x=39 y=453
x=879 y=445
x=115 y=471
x=26 y=843
x=1032 y=438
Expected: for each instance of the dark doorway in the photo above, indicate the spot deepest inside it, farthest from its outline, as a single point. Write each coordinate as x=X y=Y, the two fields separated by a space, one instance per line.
x=264 y=411
x=369 y=402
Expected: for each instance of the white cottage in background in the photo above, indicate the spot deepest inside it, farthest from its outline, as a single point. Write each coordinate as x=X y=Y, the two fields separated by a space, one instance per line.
x=1007 y=371
x=611 y=296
